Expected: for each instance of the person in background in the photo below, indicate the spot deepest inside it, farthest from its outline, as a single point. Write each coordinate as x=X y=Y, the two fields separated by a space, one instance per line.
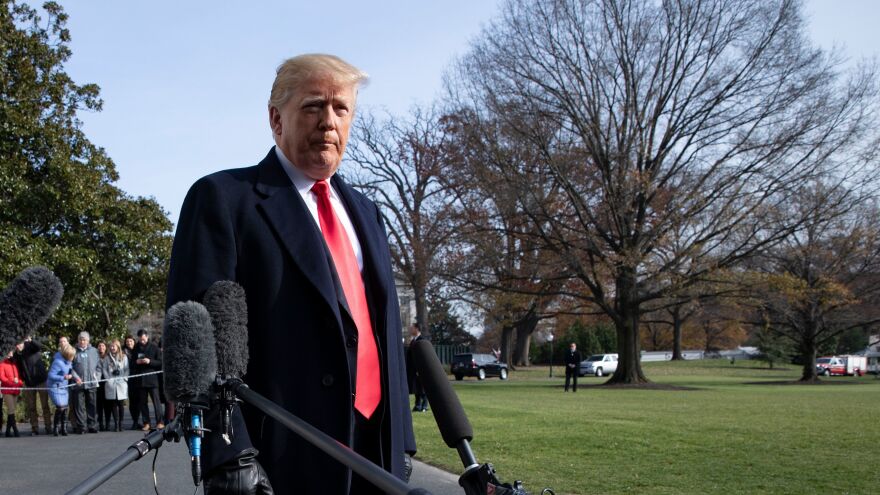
x=148 y=360
x=11 y=382
x=415 y=384
x=114 y=369
x=85 y=373
x=62 y=342
x=134 y=384
x=167 y=404
x=34 y=373
x=572 y=366
x=101 y=404
x=60 y=374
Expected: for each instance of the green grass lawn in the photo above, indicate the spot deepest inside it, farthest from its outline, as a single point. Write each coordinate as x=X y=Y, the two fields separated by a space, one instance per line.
x=727 y=434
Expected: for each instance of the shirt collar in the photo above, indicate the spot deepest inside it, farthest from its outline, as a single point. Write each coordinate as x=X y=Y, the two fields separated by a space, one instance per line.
x=302 y=183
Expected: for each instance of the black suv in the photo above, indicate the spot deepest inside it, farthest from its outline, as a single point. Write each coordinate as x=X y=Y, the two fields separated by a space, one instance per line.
x=478 y=365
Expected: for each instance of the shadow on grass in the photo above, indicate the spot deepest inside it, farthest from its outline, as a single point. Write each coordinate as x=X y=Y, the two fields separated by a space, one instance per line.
x=798 y=382
x=759 y=368
x=632 y=386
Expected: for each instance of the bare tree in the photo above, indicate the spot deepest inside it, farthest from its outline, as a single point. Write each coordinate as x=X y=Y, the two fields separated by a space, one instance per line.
x=824 y=280
x=689 y=116
x=494 y=258
x=674 y=313
x=398 y=163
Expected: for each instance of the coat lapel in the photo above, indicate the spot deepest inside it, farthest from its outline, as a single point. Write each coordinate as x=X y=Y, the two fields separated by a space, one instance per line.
x=370 y=238
x=289 y=217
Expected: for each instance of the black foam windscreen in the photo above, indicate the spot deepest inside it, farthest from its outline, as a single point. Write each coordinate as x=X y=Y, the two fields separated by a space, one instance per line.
x=26 y=303
x=225 y=301
x=188 y=353
x=451 y=419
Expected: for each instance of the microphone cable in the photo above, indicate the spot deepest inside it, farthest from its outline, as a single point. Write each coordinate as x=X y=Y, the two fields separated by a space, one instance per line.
x=156 y=475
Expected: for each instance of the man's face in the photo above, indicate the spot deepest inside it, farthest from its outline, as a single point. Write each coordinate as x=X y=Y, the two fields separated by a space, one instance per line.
x=143 y=339
x=62 y=341
x=312 y=127
x=83 y=342
x=573 y=346
x=19 y=346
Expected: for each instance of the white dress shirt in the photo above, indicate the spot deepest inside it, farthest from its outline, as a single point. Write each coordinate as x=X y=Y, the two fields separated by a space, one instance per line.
x=303 y=186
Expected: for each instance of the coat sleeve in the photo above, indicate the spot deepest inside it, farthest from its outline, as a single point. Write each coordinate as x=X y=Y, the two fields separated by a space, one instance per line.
x=102 y=370
x=204 y=249
x=56 y=373
x=409 y=438
x=204 y=252
x=156 y=361
x=5 y=376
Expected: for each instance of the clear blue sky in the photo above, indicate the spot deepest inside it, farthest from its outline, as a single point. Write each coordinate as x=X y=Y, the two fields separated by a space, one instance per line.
x=185 y=84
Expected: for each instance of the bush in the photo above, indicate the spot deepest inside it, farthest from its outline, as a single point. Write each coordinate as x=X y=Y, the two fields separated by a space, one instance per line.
x=592 y=338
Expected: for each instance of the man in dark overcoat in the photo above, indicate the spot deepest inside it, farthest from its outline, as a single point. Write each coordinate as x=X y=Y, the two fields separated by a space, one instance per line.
x=324 y=325
x=147 y=361
x=415 y=384
x=572 y=366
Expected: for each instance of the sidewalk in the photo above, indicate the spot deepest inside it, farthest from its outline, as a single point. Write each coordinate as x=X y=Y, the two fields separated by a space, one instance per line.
x=47 y=465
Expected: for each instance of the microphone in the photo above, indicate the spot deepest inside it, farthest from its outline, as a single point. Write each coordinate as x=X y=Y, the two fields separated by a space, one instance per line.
x=454 y=425
x=26 y=303
x=225 y=301
x=189 y=358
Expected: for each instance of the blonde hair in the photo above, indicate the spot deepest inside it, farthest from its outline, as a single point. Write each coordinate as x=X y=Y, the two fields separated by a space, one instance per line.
x=67 y=352
x=293 y=71
x=119 y=352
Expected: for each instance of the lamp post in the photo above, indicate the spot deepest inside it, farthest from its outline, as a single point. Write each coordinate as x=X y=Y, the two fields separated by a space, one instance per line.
x=550 y=338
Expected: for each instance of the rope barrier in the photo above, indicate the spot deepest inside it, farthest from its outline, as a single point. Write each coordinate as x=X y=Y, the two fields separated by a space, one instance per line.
x=83 y=384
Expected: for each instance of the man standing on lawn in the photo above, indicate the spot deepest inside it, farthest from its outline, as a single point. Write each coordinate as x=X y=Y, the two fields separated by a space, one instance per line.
x=572 y=366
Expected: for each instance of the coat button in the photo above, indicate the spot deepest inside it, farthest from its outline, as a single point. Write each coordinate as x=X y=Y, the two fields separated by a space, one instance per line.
x=327 y=380
x=351 y=341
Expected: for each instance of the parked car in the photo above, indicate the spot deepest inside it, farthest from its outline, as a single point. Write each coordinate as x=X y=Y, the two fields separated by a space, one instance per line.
x=599 y=365
x=478 y=365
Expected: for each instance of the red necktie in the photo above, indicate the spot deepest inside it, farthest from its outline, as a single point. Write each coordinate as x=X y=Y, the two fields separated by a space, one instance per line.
x=368 y=388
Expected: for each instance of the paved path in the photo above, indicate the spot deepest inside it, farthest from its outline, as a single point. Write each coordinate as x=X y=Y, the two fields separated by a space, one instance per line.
x=45 y=465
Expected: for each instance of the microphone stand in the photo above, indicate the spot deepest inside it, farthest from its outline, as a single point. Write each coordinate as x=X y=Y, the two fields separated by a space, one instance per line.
x=136 y=451
x=478 y=477
x=455 y=428
x=329 y=445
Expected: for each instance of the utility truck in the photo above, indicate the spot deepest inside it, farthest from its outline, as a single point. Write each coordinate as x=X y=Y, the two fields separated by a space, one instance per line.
x=842 y=365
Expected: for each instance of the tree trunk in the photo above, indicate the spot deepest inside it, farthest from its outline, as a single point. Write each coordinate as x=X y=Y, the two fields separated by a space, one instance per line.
x=676 y=334
x=808 y=353
x=629 y=366
x=524 y=330
x=506 y=347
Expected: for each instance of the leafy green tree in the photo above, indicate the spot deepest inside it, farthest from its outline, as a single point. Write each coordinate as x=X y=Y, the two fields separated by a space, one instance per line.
x=445 y=328
x=774 y=348
x=591 y=338
x=852 y=340
x=59 y=206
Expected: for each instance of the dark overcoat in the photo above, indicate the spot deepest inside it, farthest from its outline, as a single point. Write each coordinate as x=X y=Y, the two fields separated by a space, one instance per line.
x=251 y=226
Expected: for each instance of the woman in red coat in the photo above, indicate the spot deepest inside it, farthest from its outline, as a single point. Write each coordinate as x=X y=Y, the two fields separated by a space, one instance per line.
x=10 y=381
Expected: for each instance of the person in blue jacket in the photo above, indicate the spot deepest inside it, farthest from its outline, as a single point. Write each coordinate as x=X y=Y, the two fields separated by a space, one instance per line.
x=60 y=374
